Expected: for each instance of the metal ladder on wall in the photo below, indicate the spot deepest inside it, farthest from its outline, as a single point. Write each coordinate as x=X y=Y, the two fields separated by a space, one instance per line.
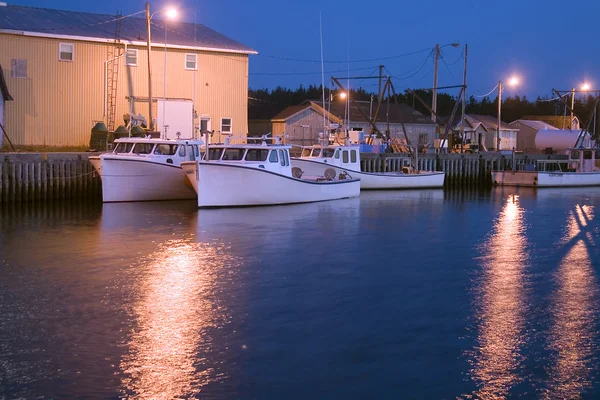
x=112 y=69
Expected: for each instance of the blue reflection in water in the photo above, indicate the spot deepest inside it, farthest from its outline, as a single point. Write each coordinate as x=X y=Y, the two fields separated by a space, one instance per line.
x=572 y=337
x=501 y=305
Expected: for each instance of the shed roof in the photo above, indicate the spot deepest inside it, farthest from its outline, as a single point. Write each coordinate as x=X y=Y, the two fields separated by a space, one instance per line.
x=44 y=22
x=557 y=121
x=293 y=110
x=398 y=112
x=537 y=125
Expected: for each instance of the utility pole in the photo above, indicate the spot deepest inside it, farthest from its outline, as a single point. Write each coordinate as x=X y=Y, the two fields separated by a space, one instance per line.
x=499 y=112
x=151 y=121
x=464 y=99
x=380 y=77
x=435 y=79
x=572 y=107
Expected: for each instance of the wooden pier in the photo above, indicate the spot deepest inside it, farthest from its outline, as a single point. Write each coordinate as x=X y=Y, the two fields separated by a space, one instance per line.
x=470 y=170
x=44 y=177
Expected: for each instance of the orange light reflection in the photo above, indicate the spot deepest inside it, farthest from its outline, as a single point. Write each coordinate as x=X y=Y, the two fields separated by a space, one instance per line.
x=172 y=312
x=501 y=305
x=571 y=337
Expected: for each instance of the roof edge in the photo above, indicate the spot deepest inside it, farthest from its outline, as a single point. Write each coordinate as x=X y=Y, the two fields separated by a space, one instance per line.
x=129 y=42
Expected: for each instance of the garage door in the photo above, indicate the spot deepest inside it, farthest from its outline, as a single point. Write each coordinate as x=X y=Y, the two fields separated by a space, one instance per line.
x=177 y=116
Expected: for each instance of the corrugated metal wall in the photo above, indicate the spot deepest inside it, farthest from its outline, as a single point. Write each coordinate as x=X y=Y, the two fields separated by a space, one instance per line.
x=304 y=128
x=59 y=102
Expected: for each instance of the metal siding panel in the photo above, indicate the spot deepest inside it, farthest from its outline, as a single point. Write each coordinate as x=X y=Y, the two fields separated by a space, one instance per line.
x=59 y=101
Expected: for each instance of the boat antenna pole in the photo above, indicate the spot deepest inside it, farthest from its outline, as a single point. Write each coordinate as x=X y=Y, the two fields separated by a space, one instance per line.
x=322 y=73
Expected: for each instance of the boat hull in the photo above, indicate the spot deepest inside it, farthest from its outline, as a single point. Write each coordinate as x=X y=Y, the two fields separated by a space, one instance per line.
x=545 y=179
x=125 y=179
x=226 y=185
x=374 y=181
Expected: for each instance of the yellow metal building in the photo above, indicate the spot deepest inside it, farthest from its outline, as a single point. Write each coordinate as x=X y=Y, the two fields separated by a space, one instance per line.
x=59 y=67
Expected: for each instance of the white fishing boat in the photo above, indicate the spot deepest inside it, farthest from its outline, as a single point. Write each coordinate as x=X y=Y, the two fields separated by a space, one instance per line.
x=578 y=170
x=146 y=169
x=259 y=174
x=346 y=159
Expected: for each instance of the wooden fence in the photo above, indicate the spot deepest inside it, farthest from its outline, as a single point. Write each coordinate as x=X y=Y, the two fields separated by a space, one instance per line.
x=28 y=178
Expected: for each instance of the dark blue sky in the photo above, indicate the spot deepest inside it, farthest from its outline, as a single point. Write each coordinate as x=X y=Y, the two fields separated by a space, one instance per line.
x=548 y=43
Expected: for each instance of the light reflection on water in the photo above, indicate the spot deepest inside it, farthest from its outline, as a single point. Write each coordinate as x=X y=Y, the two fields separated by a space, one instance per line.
x=501 y=305
x=572 y=336
x=176 y=305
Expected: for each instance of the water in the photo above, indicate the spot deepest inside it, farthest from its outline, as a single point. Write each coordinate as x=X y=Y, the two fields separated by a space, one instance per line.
x=428 y=295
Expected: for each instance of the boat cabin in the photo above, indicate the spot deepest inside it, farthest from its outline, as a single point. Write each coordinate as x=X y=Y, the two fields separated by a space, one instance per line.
x=579 y=160
x=347 y=157
x=273 y=158
x=172 y=151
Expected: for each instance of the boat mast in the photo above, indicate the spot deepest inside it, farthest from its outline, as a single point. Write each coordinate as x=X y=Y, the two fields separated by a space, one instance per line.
x=322 y=75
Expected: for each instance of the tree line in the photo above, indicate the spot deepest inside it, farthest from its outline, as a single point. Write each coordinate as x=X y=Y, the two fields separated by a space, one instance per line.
x=265 y=103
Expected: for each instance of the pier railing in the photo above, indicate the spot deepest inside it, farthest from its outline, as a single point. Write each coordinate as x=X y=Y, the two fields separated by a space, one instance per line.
x=34 y=177
x=460 y=169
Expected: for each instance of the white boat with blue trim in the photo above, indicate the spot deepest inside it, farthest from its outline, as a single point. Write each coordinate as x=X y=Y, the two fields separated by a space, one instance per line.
x=258 y=174
x=346 y=159
x=146 y=169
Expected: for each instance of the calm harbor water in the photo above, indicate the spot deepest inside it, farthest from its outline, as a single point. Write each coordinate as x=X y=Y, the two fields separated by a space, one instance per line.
x=428 y=295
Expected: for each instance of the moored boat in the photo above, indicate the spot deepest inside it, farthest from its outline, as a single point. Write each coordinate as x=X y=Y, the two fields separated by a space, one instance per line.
x=346 y=159
x=146 y=169
x=253 y=174
x=578 y=170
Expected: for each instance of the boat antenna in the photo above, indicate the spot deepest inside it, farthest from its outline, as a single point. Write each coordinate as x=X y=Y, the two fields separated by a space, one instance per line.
x=322 y=73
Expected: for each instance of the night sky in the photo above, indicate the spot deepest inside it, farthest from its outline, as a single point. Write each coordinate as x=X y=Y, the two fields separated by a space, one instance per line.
x=548 y=44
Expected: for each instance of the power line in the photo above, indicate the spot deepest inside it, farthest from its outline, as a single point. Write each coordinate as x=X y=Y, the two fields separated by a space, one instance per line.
x=448 y=68
x=305 y=73
x=415 y=73
x=346 y=61
x=488 y=93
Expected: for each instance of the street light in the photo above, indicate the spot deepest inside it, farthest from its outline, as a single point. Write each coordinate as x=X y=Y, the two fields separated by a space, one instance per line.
x=435 y=78
x=171 y=13
x=512 y=81
x=585 y=87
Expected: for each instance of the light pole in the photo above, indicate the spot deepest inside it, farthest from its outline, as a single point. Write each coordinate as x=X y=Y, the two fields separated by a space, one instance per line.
x=435 y=78
x=514 y=81
x=585 y=87
x=170 y=13
x=333 y=96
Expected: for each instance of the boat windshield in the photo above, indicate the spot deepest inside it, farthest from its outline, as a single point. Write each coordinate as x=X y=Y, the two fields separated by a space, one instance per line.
x=165 y=149
x=257 y=155
x=215 y=154
x=316 y=151
x=234 y=154
x=123 y=147
x=328 y=153
x=143 y=148
x=306 y=152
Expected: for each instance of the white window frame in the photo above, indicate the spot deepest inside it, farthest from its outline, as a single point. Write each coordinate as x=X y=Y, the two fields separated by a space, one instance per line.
x=185 y=61
x=230 y=125
x=60 y=45
x=136 y=58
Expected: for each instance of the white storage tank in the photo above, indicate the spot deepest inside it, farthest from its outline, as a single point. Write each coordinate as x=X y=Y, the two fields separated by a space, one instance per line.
x=558 y=139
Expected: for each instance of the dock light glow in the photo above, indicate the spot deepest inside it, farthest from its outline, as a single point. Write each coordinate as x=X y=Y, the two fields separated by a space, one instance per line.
x=172 y=13
x=585 y=86
x=513 y=81
x=343 y=95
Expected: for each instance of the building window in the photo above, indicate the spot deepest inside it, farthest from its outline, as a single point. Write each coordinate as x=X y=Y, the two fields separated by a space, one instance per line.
x=225 y=125
x=131 y=57
x=423 y=139
x=65 y=51
x=191 y=61
x=18 y=68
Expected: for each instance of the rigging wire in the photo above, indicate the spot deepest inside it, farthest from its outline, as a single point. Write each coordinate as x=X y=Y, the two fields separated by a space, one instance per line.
x=306 y=73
